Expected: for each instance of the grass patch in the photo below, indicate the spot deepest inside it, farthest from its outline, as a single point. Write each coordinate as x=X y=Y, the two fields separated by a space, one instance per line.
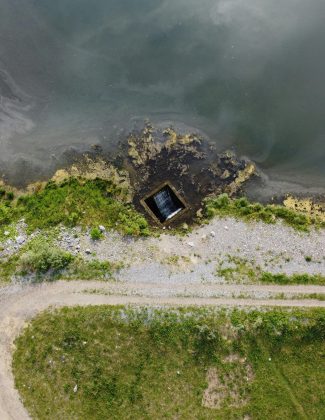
x=86 y=203
x=312 y=296
x=41 y=259
x=242 y=208
x=41 y=256
x=271 y=278
x=119 y=363
x=80 y=269
x=240 y=270
x=96 y=234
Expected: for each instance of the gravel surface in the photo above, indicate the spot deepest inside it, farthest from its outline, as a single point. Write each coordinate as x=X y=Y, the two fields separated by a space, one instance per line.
x=196 y=256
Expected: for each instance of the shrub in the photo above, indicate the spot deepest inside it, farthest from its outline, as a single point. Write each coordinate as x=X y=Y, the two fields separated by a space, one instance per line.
x=6 y=214
x=42 y=256
x=222 y=201
x=90 y=270
x=10 y=196
x=241 y=202
x=95 y=234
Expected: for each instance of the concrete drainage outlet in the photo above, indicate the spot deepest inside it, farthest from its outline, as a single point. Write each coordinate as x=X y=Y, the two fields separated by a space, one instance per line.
x=164 y=204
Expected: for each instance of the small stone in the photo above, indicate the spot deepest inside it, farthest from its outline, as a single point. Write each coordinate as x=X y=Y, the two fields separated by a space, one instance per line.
x=20 y=240
x=88 y=251
x=75 y=389
x=6 y=233
x=212 y=233
x=203 y=237
x=77 y=247
x=102 y=228
x=191 y=244
x=270 y=359
x=178 y=372
x=226 y=227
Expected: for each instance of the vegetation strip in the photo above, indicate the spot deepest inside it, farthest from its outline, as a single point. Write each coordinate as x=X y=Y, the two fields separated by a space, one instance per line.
x=74 y=202
x=241 y=208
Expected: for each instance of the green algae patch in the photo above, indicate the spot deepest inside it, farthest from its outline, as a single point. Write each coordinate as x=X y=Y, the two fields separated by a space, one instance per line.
x=144 y=363
x=224 y=206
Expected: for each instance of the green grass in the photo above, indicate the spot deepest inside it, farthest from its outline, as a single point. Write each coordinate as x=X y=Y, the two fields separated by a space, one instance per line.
x=75 y=202
x=96 y=234
x=243 y=209
x=42 y=259
x=241 y=270
x=41 y=256
x=147 y=363
x=270 y=278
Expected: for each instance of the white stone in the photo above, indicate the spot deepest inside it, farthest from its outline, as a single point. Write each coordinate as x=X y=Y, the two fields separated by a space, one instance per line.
x=191 y=244
x=75 y=389
x=20 y=240
x=6 y=233
x=102 y=228
x=88 y=251
x=212 y=233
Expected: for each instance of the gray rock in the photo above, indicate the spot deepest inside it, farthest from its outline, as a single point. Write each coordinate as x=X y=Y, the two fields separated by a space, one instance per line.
x=20 y=240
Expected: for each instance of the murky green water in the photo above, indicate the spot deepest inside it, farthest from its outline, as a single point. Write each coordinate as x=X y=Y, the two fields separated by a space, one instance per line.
x=248 y=73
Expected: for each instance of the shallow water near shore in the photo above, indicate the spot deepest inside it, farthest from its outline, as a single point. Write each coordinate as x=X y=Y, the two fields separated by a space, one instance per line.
x=248 y=74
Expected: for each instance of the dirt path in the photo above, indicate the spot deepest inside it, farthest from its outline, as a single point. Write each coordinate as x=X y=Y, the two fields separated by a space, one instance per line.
x=19 y=304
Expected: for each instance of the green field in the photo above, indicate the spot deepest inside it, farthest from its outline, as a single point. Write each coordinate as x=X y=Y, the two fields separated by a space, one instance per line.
x=123 y=363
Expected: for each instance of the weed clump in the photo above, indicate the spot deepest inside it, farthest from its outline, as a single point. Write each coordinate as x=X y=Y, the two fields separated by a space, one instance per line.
x=42 y=257
x=89 y=270
x=95 y=234
x=242 y=208
x=294 y=279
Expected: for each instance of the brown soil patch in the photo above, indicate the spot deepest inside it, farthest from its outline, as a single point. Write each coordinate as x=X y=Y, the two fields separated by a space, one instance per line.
x=228 y=386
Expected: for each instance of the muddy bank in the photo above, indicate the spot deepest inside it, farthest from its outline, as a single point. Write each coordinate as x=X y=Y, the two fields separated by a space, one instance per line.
x=154 y=155
x=187 y=161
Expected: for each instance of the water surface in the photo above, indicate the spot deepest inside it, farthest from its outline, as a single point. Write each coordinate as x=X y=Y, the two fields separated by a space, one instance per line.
x=248 y=73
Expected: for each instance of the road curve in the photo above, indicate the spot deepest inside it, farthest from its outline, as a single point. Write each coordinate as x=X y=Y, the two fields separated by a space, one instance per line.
x=19 y=304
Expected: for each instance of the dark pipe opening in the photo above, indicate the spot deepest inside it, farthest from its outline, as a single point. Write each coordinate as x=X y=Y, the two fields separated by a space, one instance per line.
x=164 y=204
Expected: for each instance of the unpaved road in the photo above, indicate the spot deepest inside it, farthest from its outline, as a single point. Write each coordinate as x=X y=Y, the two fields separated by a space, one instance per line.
x=19 y=304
